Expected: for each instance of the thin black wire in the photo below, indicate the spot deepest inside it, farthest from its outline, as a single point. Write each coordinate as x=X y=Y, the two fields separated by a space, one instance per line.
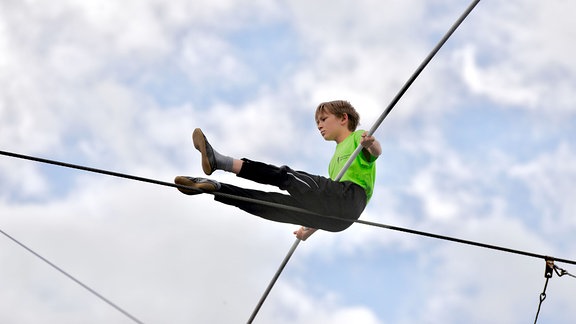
x=467 y=242
x=153 y=181
x=92 y=291
x=549 y=273
x=542 y=298
x=273 y=281
x=296 y=209
x=561 y=272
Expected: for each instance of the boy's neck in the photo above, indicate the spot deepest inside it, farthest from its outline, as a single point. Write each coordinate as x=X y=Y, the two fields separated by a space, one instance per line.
x=343 y=135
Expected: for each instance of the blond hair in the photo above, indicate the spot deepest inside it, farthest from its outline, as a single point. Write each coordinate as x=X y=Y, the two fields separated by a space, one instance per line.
x=339 y=108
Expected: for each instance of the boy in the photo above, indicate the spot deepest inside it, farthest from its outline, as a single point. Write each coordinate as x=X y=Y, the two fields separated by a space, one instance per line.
x=347 y=198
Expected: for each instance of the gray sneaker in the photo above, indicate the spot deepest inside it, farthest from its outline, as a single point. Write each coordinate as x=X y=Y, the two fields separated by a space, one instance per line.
x=202 y=145
x=196 y=185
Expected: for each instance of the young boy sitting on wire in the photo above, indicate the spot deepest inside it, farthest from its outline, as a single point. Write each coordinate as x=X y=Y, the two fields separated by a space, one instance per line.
x=344 y=199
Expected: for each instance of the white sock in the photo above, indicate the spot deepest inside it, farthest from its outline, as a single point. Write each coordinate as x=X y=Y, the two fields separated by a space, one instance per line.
x=223 y=162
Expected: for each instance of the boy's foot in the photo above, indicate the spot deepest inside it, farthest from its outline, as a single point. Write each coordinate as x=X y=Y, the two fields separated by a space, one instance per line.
x=199 y=185
x=202 y=145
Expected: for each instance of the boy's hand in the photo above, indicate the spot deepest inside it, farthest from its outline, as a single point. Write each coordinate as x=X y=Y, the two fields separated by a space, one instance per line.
x=370 y=144
x=304 y=232
x=367 y=140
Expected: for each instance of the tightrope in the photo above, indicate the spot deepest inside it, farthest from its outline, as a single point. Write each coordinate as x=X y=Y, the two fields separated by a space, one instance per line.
x=291 y=208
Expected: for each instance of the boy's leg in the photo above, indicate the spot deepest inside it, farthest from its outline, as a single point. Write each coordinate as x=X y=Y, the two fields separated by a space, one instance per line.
x=315 y=193
x=282 y=177
x=311 y=192
x=316 y=219
x=270 y=212
x=211 y=159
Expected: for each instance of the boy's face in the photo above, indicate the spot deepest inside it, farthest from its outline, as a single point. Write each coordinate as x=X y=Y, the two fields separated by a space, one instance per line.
x=331 y=127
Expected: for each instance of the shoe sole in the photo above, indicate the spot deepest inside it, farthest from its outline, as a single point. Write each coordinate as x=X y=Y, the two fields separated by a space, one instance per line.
x=184 y=181
x=199 y=141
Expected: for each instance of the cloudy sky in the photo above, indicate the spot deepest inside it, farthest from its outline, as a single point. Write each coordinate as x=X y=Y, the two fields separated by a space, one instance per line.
x=482 y=147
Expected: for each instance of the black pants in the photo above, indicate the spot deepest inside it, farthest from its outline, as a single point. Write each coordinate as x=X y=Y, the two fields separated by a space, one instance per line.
x=311 y=192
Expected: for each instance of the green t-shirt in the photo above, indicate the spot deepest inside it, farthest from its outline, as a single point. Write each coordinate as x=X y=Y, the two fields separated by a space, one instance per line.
x=362 y=171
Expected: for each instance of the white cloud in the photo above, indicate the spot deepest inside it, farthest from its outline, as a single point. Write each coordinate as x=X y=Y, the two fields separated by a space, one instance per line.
x=550 y=178
x=294 y=305
x=502 y=84
x=525 y=58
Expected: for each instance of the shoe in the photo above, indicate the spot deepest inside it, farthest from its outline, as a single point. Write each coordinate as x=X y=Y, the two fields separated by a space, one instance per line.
x=202 y=145
x=197 y=185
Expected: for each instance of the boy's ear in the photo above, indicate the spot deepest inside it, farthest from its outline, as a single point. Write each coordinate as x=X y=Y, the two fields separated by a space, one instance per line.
x=344 y=118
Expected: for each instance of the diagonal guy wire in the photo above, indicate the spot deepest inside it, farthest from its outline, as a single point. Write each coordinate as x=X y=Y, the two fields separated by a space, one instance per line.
x=370 y=132
x=92 y=291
